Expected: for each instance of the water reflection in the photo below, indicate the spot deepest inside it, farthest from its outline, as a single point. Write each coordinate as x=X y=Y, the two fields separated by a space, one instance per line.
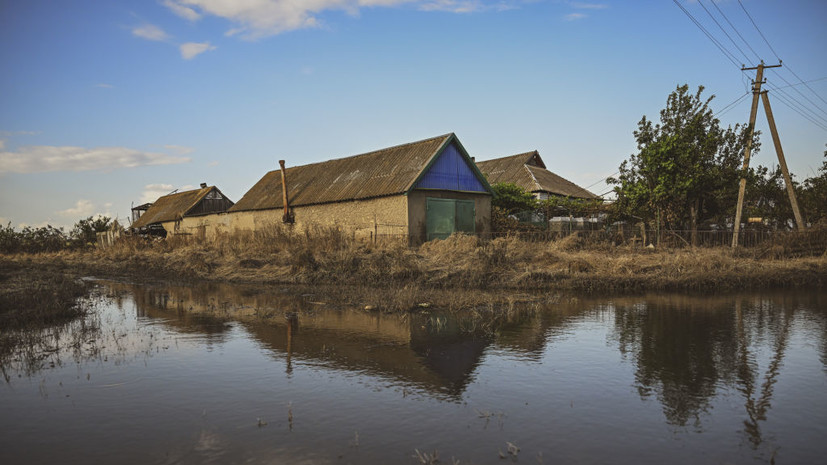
x=735 y=371
x=686 y=349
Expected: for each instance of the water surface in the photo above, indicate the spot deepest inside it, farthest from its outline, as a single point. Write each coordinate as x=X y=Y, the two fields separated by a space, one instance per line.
x=224 y=374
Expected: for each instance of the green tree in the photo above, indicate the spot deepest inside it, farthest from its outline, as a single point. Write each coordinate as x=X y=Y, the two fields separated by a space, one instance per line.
x=687 y=167
x=813 y=197
x=84 y=231
x=512 y=198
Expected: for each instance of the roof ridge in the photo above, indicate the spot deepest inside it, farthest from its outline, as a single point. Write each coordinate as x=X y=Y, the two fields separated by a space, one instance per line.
x=429 y=139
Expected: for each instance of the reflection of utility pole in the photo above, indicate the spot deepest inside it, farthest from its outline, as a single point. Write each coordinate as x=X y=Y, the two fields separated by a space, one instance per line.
x=756 y=91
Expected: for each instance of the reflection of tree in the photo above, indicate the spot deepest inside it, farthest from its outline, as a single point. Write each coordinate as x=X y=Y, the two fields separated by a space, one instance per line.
x=681 y=352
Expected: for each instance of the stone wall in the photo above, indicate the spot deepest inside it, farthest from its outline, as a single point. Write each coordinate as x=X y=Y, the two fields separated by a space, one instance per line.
x=364 y=218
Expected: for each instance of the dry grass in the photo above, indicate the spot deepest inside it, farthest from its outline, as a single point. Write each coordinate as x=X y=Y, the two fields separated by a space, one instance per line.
x=328 y=255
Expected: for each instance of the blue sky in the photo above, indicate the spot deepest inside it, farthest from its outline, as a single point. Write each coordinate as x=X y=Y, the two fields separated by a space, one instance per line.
x=107 y=103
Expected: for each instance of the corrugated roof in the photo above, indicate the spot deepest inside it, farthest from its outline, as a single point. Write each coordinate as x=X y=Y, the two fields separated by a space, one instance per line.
x=528 y=171
x=384 y=172
x=171 y=207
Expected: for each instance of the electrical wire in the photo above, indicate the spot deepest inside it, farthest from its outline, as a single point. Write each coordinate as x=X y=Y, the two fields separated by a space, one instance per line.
x=804 y=82
x=601 y=180
x=802 y=95
x=731 y=105
x=801 y=81
x=723 y=50
x=746 y=58
x=781 y=98
x=757 y=56
x=759 y=31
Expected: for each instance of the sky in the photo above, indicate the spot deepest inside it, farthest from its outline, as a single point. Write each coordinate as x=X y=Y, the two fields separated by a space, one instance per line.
x=105 y=104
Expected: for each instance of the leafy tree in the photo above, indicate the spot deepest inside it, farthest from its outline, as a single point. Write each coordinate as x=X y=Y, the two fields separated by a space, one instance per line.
x=512 y=198
x=84 y=231
x=687 y=167
x=813 y=197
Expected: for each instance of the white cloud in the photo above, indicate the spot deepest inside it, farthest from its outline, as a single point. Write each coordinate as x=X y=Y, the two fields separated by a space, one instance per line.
x=254 y=19
x=212 y=163
x=2 y=144
x=150 y=32
x=179 y=149
x=182 y=10
x=152 y=192
x=191 y=50
x=574 y=16
x=82 y=209
x=43 y=158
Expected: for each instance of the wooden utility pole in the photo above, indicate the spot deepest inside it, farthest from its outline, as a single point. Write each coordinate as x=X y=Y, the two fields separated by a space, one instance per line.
x=756 y=91
x=782 y=161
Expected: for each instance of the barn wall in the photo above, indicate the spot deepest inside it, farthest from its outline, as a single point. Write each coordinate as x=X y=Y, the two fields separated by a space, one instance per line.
x=385 y=216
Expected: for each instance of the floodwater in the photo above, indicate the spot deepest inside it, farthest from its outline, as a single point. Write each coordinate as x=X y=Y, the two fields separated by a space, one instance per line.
x=223 y=374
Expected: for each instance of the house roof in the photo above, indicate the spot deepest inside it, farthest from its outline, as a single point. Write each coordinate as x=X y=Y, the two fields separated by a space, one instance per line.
x=172 y=207
x=389 y=171
x=528 y=171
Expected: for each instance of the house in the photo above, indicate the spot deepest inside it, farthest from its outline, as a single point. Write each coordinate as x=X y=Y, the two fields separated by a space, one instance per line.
x=423 y=190
x=528 y=171
x=178 y=213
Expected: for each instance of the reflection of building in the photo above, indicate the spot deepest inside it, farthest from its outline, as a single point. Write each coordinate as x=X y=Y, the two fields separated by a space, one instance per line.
x=435 y=352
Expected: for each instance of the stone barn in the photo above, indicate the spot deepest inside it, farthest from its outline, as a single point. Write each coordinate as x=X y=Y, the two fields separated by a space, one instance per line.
x=422 y=190
x=174 y=213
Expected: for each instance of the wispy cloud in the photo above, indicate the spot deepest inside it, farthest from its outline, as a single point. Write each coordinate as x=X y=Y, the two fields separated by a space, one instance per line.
x=191 y=50
x=574 y=16
x=44 y=158
x=589 y=6
x=182 y=10
x=255 y=19
x=179 y=149
x=150 y=32
x=103 y=85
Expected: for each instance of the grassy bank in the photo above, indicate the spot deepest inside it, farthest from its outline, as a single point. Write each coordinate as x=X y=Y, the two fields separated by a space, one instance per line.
x=330 y=256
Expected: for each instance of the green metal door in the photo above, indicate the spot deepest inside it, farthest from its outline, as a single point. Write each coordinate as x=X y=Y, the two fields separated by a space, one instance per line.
x=443 y=217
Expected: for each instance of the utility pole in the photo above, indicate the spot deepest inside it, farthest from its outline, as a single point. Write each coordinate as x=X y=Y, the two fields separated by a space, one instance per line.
x=782 y=162
x=756 y=91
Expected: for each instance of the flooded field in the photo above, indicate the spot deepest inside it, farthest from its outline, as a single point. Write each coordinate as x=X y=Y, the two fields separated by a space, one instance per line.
x=223 y=374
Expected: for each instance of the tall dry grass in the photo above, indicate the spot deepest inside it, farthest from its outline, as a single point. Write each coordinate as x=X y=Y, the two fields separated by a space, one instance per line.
x=331 y=255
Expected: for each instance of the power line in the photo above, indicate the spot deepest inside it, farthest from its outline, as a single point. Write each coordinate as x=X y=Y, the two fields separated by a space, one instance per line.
x=601 y=180
x=759 y=31
x=802 y=110
x=746 y=58
x=803 y=82
x=731 y=105
x=726 y=53
x=783 y=99
x=803 y=96
x=736 y=30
